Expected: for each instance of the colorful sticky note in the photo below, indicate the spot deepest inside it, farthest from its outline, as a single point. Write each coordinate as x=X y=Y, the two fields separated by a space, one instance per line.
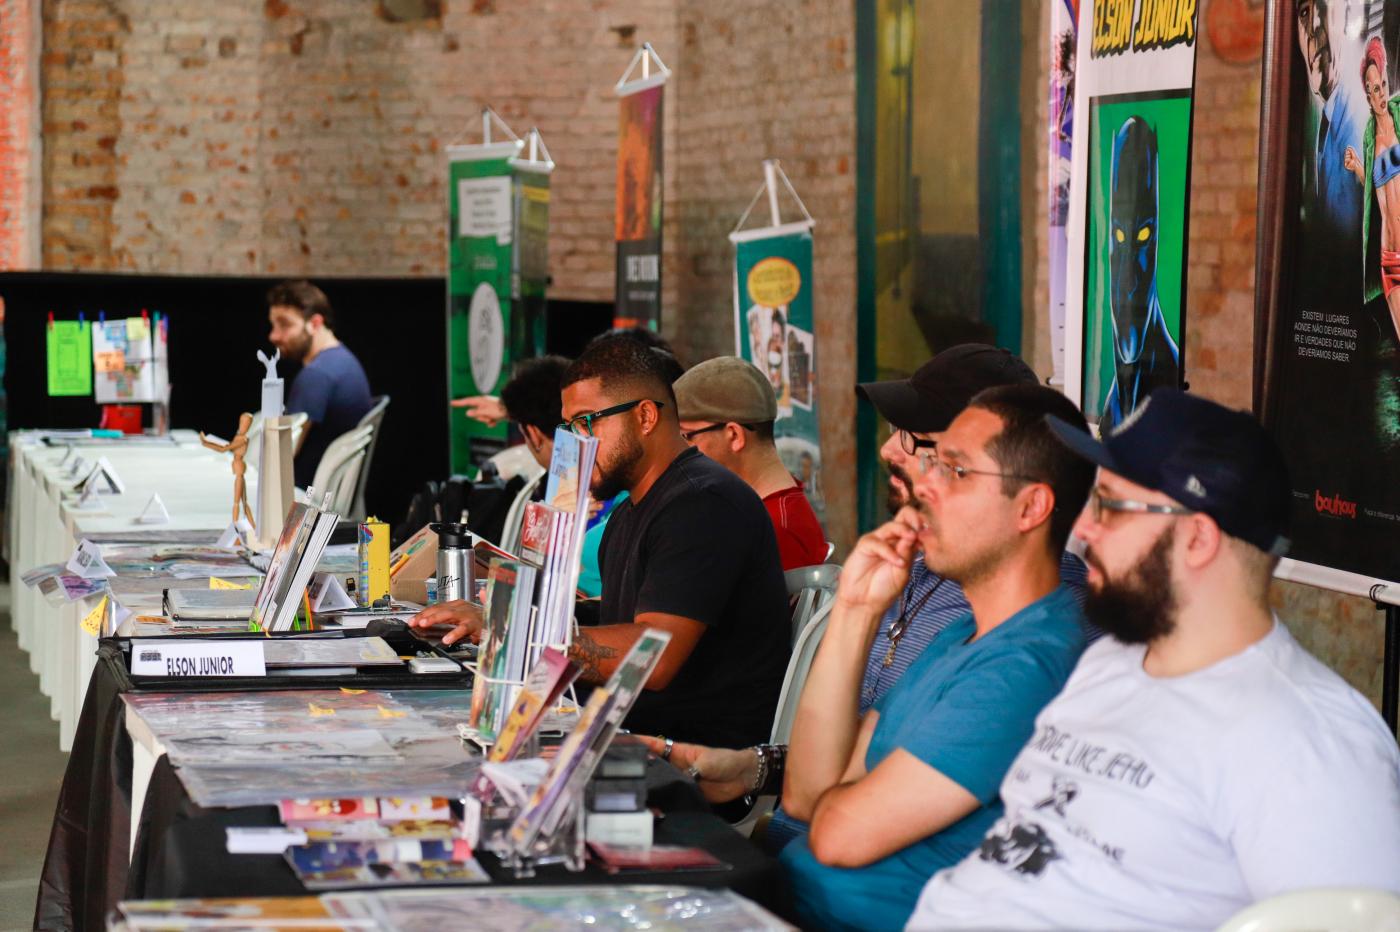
x=92 y=623
x=319 y=709
x=137 y=328
x=217 y=583
x=109 y=360
x=69 y=345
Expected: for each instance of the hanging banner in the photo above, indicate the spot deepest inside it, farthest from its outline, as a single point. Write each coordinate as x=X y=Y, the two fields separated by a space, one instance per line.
x=774 y=329
x=1125 y=278
x=1064 y=17
x=498 y=225
x=1328 y=376
x=639 y=194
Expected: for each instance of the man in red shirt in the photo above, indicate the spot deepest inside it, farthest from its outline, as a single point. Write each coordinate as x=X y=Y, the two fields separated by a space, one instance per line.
x=727 y=409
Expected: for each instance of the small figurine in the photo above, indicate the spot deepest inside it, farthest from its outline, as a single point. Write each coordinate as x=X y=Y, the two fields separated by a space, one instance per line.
x=238 y=446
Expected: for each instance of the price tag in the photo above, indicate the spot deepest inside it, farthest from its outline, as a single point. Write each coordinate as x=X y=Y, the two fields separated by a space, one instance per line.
x=87 y=562
x=188 y=657
x=92 y=622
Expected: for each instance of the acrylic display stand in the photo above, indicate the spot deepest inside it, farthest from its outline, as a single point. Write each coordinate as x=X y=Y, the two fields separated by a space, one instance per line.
x=565 y=846
x=275 y=490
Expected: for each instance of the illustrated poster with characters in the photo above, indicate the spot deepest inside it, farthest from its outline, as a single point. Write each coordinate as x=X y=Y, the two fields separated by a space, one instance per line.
x=774 y=330
x=1331 y=373
x=1125 y=271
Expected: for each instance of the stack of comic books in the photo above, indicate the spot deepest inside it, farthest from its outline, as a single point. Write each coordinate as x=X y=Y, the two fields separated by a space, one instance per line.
x=552 y=536
x=303 y=540
x=505 y=641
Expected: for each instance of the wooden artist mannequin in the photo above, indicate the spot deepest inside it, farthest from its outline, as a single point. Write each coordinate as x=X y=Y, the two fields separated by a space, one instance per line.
x=238 y=446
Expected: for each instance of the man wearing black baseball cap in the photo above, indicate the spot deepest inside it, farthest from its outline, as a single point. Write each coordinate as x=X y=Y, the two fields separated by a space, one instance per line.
x=1199 y=760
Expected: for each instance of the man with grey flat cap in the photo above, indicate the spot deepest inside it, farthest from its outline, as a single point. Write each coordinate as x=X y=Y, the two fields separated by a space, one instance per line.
x=727 y=409
x=1199 y=760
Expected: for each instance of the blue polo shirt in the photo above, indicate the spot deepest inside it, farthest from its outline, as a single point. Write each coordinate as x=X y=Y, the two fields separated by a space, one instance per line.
x=966 y=710
x=333 y=392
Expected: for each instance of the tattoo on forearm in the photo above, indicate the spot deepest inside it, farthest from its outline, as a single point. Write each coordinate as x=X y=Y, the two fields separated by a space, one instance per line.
x=589 y=655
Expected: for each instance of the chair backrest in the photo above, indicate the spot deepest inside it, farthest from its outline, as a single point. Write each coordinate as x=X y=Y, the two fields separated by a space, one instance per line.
x=340 y=467
x=810 y=588
x=798 y=664
x=373 y=419
x=515 y=517
x=1337 y=909
x=516 y=461
x=299 y=421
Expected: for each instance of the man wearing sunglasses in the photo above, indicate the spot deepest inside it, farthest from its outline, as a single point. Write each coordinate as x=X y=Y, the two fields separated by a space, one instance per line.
x=727 y=409
x=912 y=786
x=1199 y=760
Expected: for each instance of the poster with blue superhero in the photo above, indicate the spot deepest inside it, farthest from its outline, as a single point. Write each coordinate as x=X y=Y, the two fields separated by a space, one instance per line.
x=1134 y=249
x=1327 y=373
x=1125 y=272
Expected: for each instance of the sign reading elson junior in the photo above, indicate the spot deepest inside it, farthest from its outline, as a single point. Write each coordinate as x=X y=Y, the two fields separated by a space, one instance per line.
x=223 y=657
x=1159 y=24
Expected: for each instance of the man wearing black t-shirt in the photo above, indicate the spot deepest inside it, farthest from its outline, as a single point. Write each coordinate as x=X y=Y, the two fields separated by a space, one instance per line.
x=691 y=552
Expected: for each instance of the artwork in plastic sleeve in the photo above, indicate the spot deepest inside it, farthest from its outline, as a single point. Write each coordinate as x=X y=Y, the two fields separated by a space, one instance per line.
x=768 y=348
x=1135 y=249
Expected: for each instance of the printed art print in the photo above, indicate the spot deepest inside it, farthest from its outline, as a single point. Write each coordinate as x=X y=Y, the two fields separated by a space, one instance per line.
x=1331 y=380
x=639 y=200
x=1125 y=271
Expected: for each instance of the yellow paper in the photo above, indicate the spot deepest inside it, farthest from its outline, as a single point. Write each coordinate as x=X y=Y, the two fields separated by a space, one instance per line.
x=217 y=583
x=390 y=713
x=92 y=624
x=137 y=328
x=352 y=692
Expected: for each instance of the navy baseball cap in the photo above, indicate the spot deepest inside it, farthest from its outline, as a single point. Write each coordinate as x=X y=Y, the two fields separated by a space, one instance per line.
x=1209 y=458
x=937 y=392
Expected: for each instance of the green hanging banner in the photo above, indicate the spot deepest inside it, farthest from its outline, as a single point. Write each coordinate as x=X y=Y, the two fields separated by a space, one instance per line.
x=774 y=328
x=497 y=248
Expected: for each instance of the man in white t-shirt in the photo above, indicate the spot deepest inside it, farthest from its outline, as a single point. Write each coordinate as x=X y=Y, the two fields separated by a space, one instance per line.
x=1199 y=760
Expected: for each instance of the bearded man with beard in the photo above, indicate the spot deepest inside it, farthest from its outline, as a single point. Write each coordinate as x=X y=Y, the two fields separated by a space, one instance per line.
x=1199 y=760
x=331 y=389
x=691 y=552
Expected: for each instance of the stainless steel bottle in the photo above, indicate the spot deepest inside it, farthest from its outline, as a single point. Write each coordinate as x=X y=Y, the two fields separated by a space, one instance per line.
x=454 y=562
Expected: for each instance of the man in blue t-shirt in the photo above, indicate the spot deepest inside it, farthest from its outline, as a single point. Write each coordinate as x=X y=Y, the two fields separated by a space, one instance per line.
x=912 y=786
x=331 y=389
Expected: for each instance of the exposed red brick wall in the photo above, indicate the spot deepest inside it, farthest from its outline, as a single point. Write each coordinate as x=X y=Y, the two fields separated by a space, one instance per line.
x=18 y=132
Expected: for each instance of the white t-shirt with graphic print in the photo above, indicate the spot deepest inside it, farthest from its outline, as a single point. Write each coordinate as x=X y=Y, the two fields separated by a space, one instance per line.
x=1173 y=803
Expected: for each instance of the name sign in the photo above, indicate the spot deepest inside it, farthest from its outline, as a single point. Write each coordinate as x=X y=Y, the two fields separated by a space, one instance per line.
x=197 y=658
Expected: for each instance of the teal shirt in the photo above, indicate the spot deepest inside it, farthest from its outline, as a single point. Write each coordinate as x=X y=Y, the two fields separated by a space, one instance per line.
x=966 y=710
x=590 y=578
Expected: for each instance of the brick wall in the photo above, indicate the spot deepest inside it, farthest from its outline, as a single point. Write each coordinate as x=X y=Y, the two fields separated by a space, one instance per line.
x=19 y=138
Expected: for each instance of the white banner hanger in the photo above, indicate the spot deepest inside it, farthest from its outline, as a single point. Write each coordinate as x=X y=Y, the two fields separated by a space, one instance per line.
x=490 y=146
x=646 y=56
x=772 y=174
x=536 y=155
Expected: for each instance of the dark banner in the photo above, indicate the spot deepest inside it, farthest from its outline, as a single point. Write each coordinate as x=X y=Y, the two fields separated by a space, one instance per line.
x=639 y=207
x=1331 y=298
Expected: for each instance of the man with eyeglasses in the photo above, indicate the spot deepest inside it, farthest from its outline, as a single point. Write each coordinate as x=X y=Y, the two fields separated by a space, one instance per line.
x=691 y=552
x=1199 y=760
x=912 y=786
x=918 y=410
x=727 y=409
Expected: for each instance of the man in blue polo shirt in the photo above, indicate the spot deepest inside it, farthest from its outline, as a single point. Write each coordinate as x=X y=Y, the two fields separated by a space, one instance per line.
x=913 y=785
x=331 y=389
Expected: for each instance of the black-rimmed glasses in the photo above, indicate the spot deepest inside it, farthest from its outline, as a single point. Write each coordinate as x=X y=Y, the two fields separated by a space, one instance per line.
x=689 y=435
x=582 y=424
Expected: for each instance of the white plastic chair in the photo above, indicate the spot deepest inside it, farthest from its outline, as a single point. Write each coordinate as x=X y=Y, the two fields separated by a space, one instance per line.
x=373 y=419
x=811 y=588
x=1336 y=909
x=799 y=664
x=516 y=461
x=339 y=470
x=515 y=517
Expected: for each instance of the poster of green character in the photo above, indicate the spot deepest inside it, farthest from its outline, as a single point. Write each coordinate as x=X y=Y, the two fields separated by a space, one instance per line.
x=1135 y=249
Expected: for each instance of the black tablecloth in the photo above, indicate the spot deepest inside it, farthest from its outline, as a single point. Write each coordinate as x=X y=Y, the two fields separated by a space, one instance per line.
x=180 y=847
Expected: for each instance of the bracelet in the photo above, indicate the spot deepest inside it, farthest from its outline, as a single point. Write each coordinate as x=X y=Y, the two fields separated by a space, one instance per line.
x=772 y=784
x=761 y=752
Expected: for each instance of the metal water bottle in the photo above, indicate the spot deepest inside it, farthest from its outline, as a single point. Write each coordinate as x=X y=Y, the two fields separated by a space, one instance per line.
x=454 y=562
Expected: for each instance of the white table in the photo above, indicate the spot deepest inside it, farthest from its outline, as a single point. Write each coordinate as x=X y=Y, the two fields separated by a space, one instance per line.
x=196 y=485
